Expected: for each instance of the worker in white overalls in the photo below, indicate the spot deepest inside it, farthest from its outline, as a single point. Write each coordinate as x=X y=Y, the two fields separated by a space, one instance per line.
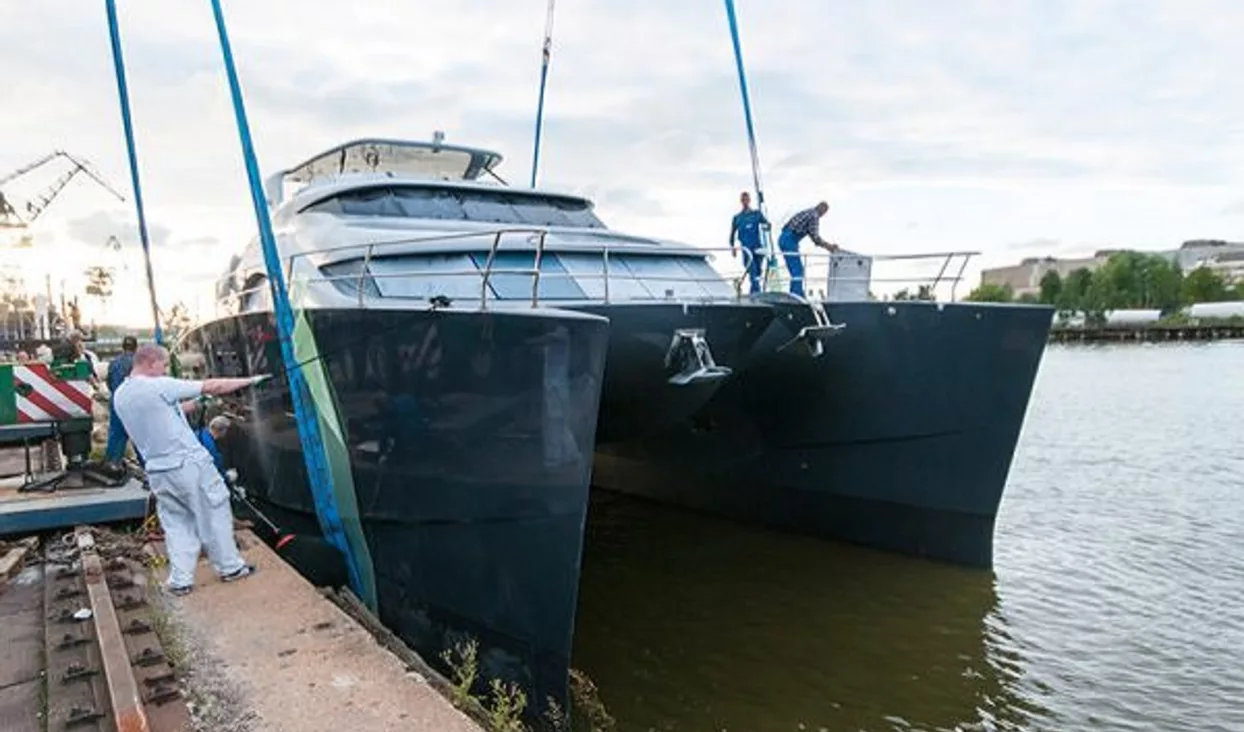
x=191 y=498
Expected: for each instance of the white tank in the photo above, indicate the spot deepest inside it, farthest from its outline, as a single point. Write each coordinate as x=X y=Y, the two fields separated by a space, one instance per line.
x=850 y=275
x=1132 y=317
x=1216 y=309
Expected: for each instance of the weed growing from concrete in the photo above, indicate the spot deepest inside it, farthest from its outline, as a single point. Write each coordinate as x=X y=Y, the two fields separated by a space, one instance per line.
x=500 y=711
x=505 y=711
x=463 y=663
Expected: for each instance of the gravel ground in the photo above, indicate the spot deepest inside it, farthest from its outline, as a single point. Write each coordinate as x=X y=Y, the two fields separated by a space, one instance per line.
x=272 y=653
x=216 y=702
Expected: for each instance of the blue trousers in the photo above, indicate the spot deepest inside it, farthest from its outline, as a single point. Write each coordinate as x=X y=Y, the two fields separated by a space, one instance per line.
x=117 y=437
x=788 y=242
x=755 y=260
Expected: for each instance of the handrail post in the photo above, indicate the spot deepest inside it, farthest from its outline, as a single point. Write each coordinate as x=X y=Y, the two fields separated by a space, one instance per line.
x=492 y=253
x=365 y=271
x=938 y=279
x=535 y=280
x=289 y=268
x=966 y=258
x=606 y=272
x=748 y=257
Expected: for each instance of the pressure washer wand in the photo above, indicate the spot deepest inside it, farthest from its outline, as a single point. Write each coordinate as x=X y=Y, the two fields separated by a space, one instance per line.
x=240 y=496
x=279 y=537
x=313 y=557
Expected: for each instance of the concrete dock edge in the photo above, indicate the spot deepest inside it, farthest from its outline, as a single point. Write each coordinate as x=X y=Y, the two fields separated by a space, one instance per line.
x=273 y=653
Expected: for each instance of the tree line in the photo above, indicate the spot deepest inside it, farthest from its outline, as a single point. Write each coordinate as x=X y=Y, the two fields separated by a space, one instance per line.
x=1128 y=280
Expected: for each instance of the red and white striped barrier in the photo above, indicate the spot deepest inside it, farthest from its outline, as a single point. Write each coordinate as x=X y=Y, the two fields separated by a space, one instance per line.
x=43 y=397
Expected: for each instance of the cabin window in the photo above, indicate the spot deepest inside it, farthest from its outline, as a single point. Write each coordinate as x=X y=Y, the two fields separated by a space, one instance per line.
x=642 y=277
x=461 y=204
x=423 y=277
x=690 y=277
x=563 y=276
x=589 y=273
x=348 y=275
x=555 y=282
x=429 y=203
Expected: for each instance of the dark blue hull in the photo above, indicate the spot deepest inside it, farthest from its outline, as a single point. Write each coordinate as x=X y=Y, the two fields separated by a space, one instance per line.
x=899 y=437
x=638 y=398
x=470 y=438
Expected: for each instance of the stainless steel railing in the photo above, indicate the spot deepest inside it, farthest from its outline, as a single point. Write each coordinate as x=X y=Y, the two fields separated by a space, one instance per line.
x=232 y=301
x=818 y=267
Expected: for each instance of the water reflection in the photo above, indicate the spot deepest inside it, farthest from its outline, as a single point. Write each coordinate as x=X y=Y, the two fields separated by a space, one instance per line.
x=688 y=622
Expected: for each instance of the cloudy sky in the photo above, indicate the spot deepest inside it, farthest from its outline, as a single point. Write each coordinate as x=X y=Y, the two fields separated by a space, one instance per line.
x=1013 y=127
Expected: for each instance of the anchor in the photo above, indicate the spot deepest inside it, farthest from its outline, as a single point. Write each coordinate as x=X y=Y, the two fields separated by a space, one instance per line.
x=814 y=336
x=691 y=358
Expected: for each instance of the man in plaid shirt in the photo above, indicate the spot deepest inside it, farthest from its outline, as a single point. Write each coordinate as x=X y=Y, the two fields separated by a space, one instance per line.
x=805 y=223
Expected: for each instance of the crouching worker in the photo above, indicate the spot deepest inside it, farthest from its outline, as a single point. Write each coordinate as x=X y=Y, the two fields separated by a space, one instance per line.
x=191 y=498
x=210 y=437
x=313 y=557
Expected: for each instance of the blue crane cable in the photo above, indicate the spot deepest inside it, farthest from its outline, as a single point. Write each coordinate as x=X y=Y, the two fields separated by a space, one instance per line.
x=751 y=130
x=127 y=122
x=305 y=414
x=546 y=55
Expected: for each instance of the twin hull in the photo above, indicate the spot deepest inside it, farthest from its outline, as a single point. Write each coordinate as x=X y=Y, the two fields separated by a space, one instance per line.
x=900 y=436
x=471 y=437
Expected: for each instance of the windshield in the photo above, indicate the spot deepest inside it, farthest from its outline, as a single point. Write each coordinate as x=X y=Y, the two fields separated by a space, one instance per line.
x=396 y=157
x=501 y=207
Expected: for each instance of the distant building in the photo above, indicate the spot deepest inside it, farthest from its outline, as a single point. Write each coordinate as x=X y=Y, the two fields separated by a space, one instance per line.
x=1230 y=265
x=1025 y=278
x=1225 y=257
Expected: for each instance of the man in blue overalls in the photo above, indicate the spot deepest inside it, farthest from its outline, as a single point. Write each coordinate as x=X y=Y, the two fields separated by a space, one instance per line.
x=805 y=223
x=209 y=436
x=746 y=225
x=118 y=371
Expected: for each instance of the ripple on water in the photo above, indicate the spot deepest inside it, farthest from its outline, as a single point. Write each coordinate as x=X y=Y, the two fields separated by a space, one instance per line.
x=1131 y=582
x=1117 y=600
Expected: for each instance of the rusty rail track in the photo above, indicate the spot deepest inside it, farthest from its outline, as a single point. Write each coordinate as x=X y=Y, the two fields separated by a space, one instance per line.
x=106 y=670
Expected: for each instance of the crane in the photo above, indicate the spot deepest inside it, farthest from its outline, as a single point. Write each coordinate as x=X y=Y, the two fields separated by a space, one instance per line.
x=9 y=216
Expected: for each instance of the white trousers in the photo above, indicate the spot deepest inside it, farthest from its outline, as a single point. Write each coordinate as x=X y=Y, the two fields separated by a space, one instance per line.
x=193 y=505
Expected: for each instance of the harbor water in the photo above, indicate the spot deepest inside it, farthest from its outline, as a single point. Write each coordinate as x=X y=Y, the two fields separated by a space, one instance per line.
x=1116 y=601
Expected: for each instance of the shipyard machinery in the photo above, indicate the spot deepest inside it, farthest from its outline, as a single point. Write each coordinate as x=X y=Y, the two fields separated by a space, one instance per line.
x=16 y=218
x=12 y=218
x=40 y=402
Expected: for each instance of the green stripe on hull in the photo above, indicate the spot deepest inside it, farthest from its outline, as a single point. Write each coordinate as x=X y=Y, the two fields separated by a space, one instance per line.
x=306 y=352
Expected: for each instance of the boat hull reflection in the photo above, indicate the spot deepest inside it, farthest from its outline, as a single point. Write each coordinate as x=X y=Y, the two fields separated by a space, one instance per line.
x=755 y=630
